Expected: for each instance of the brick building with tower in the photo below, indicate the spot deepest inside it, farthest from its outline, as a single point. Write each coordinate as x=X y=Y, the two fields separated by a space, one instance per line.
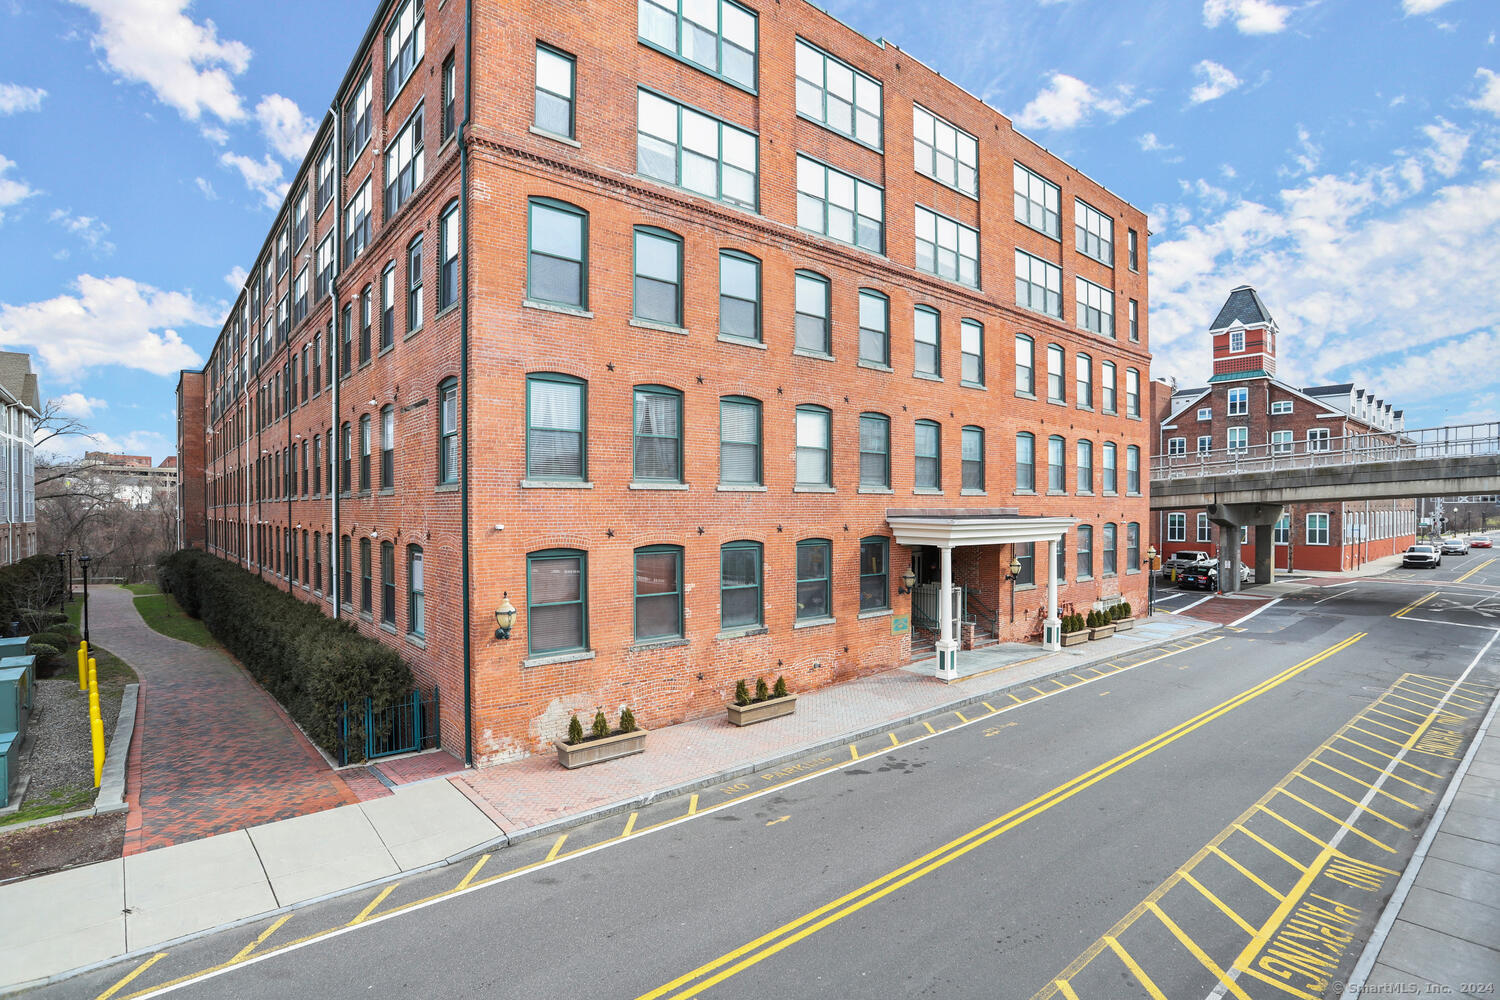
x=1245 y=408
x=687 y=329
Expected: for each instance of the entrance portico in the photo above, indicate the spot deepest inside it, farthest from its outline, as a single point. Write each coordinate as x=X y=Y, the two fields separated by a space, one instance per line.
x=947 y=529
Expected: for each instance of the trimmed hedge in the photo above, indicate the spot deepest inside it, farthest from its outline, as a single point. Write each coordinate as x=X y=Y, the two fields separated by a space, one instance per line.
x=309 y=662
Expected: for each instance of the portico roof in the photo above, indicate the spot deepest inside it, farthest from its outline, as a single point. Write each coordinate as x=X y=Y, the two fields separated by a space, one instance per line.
x=948 y=528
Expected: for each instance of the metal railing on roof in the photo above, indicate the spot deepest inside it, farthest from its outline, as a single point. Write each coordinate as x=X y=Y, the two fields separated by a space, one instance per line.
x=1459 y=441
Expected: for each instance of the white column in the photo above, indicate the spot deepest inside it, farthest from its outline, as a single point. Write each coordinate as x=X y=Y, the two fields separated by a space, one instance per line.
x=947 y=646
x=1052 y=628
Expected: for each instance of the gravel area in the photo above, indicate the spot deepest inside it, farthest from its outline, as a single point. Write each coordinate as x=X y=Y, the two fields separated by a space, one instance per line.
x=62 y=755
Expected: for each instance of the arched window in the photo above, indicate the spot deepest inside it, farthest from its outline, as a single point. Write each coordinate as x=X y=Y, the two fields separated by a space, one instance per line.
x=365 y=583
x=658 y=276
x=448 y=247
x=973 y=460
x=814 y=454
x=739 y=441
x=874 y=451
x=1025 y=365
x=1057 y=480
x=388 y=583
x=874 y=573
x=557 y=253
x=447 y=414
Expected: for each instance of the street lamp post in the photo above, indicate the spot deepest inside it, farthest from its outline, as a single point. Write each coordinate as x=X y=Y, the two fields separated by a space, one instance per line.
x=1150 y=580
x=83 y=563
x=70 y=575
x=1011 y=577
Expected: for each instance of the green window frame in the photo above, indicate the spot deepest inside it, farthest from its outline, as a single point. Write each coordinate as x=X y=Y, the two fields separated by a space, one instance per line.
x=416 y=593
x=1095 y=307
x=874 y=451
x=388 y=583
x=1132 y=470
x=556 y=414
x=741 y=576
x=874 y=327
x=1057 y=466
x=874 y=574
x=945 y=152
x=346 y=572
x=658 y=593
x=971 y=348
x=739 y=295
x=557 y=619
x=972 y=440
x=814 y=579
x=813 y=306
x=365 y=584
x=697 y=152
x=656 y=287
x=835 y=94
x=1132 y=547
x=1083 y=388
x=1109 y=544
x=557 y=253
x=1025 y=553
x=1085 y=465
x=840 y=206
x=927 y=449
x=725 y=49
x=1093 y=233
x=740 y=462
x=1038 y=202
x=814 y=446
x=657 y=434
x=927 y=335
x=1085 y=569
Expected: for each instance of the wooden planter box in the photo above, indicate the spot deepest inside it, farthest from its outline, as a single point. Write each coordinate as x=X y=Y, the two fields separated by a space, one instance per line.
x=761 y=711
x=1102 y=632
x=599 y=751
x=1075 y=638
x=1125 y=624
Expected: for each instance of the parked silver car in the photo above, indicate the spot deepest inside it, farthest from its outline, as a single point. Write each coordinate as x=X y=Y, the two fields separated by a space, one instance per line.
x=1455 y=547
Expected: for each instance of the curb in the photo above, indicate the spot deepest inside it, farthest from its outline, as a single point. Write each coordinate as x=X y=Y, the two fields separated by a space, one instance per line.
x=111 y=797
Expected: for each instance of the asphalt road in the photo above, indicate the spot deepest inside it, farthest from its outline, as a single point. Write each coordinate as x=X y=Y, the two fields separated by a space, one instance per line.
x=1225 y=820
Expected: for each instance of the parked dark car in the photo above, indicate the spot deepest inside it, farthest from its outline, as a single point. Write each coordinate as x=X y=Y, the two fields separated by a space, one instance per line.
x=1198 y=577
x=1422 y=556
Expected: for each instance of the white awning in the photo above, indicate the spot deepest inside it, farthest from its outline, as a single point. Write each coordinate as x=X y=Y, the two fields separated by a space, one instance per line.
x=949 y=528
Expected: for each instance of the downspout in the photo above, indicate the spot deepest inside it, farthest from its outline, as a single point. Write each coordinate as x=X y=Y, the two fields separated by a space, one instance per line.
x=335 y=549
x=463 y=380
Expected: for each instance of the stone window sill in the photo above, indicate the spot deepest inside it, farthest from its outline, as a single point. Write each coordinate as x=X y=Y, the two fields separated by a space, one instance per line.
x=878 y=490
x=555 y=484
x=973 y=493
x=575 y=656
x=725 y=338
x=926 y=491
x=416 y=640
x=555 y=137
x=646 y=324
x=974 y=385
x=669 y=642
x=743 y=632
x=927 y=376
x=740 y=488
x=658 y=486
x=814 y=622
x=554 y=307
x=874 y=366
x=876 y=613
x=446 y=488
x=388 y=627
x=1025 y=395
x=815 y=355
x=814 y=489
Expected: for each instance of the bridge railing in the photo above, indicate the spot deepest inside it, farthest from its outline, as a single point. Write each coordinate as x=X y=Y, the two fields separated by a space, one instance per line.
x=1460 y=441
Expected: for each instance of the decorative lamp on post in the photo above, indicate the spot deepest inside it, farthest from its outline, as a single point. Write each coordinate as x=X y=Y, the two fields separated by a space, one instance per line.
x=505 y=617
x=908 y=581
x=1150 y=565
x=1011 y=578
x=83 y=564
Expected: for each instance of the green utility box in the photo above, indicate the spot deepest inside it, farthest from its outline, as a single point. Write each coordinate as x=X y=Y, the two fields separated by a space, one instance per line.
x=15 y=689
x=15 y=646
x=9 y=744
x=28 y=692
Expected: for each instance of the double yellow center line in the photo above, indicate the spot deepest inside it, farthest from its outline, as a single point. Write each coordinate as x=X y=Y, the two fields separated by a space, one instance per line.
x=712 y=973
x=1401 y=613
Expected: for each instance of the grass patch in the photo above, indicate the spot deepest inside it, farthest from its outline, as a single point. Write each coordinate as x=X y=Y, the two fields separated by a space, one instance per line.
x=55 y=803
x=142 y=589
x=163 y=614
x=75 y=611
x=110 y=669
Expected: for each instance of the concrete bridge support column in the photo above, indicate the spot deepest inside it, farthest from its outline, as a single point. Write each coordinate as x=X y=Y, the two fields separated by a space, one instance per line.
x=1230 y=517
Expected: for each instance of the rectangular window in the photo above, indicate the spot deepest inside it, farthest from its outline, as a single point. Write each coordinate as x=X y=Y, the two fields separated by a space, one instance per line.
x=945 y=152
x=1133 y=547
x=416 y=593
x=448 y=124
x=1096 y=308
x=366 y=595
x=1281 y=406
x=1282 y=531
x=1085 y=552
x=448 y=431
x=874 y=451
x=1238 y=439
x=927 y=331
x=739 y=442
x=1205 y=528
x=1176 y=527
x=716 y=35
x=972 y=440
x=1318 y=439
x=299 y=297
x=1109 y=476
x=1281 y=442
x=1108 y=543
x=658 y=435
x=1236 y=341
x=658 y=277
x=740 y=585
x=346 y=453
x=1132 y=249
x=325 y=177
x=405 y=164
x=840 y=206
x=556 y=602
x=1083 y=381
x=557 y=258
x=832 y=92
x=1205 y=413
x=1038 y=285
x=813 y=564
x=1025 y=365
x=971 y=346
x=1085 y=475
x=1056 y=378
x=405 y=41
x=947 y=248
x=1025 y=554
x=346 y=567
x=1239 y=402
x=364 y=315
x=814 y=464
x=1025 y=463
x=299 y=220
x=739 y=296
x=283 y=252
x=1037 y=202
x=388 y=448
x=874 y=575
x=658 y=593
x=1135 y=321
x=324 y=267
x=448 y=241
x=414 y=285
x=1205 y=444
x=1132 y=470
x=555 y=408
x=554 y=91
x=928 y=450
x=357 y=122
x=811 y=320
x=874 y=327
x=691 y=150
x=364 y=452
x=1132 y=393
x=1057 y=473
x=1177 y=446
x=388 y=583
x=1094 y=232
x=1317 y=529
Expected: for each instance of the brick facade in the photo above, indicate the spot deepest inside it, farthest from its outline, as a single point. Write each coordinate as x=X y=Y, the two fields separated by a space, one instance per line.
x=520 y=701
x=192 y=507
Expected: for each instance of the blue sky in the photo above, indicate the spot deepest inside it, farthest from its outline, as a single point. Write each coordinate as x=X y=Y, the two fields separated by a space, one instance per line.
x=1341 y=155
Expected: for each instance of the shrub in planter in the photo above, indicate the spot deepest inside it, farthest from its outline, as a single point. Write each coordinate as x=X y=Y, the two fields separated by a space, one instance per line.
x=627 y=721
x=601 y=725
x=741 y=693
x=575 y=730
x=762 y=692
x=779 y=691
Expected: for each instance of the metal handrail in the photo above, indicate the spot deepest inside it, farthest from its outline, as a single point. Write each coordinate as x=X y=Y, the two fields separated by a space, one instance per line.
x=1458 y=441
x=989 y=615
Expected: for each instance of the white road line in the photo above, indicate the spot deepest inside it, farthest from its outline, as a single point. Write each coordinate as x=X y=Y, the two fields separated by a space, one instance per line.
x=1263 y=607
x=1435 y=621
x=1190 y=607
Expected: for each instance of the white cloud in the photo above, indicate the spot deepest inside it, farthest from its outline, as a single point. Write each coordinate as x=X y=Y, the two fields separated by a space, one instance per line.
x=1489 y=94
x=109 y=321
x=287 y=130
x=90 y=230
x=1410 y=7
x=15 y=98
x=1149 y=143
x=206 y=188
x=183 y=61
x=77 y=405
x=1214 y=81
x=1067 y=102
x=235 y=279
x=12 y=191
x=1251 y=17
x=1449 y=144
x=214 y=134
x=262 y=177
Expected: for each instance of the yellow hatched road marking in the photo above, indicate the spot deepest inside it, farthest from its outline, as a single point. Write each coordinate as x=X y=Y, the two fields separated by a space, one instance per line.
x=1361 y=781
x=630 y=824
x=1223 y=908
x=987 y=705
x=1288 y=823
x=1440 y=691
x=1394 y=743
x=853 y=752
x=556 y=846
x=929 y=728
x=1471 y=702
x=1248 y=874
x=1398 y=718
x=370 y=907
x=894 y=742
x=117 y=987
x=1387 y=756
x=1066 y=990
x=961 y=716
x=1353 y=802
x=1394 y=729
x=693 y=805
x=244 y=952
x=1199 y=953
x=1401 y=708
x=1135 y=969
x=1330 y=816
x=1036 y=689
x=1263 y=842
x=1425 y=704
x=464 y=882
x=1014 y=698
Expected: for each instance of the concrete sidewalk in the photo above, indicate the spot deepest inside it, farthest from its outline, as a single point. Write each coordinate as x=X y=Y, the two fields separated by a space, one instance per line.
x=1441 y=930
x=144 y=901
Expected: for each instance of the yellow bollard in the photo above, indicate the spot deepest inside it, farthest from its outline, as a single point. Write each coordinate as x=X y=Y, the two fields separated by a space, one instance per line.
x=83 y=667
x=97 y=731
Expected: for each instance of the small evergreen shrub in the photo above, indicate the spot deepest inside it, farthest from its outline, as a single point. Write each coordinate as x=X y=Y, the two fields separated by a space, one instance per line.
x=47 y=656
x=762 y=693
x=601 y=725
x=575 y=731
x=627 y=721
x=53 y=639
x=1127 y=612
x=779 y=691
x=741 y=694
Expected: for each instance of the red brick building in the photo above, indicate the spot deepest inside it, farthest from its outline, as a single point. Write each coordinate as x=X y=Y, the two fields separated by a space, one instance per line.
x=1246 y=407
x=689 y=340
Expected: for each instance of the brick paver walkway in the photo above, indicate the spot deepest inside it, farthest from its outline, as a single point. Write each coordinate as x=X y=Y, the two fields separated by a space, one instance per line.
x=213 y=752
